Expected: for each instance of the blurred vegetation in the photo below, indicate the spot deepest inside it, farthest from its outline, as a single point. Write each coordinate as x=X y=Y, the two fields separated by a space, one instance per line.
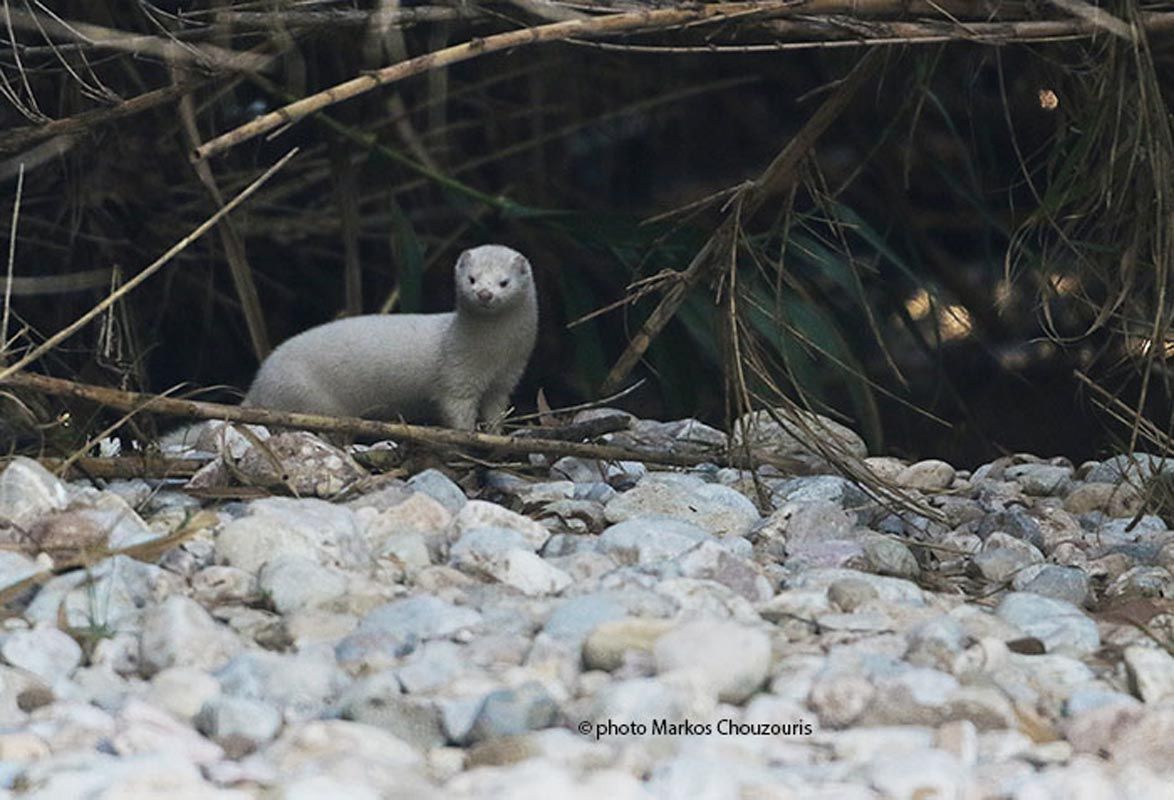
x=981 y=219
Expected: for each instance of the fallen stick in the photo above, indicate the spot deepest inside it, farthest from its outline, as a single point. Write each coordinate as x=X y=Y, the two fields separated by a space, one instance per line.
x=116 y=467
x=418 y=434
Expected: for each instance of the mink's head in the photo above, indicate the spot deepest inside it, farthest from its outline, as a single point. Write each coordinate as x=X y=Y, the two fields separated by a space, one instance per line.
x=492 y=278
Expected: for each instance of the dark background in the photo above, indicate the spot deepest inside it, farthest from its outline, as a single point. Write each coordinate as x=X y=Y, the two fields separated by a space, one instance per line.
x=940 y=159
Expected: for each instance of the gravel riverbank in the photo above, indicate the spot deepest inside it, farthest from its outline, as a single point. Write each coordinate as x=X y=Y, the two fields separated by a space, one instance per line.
x=602 y=630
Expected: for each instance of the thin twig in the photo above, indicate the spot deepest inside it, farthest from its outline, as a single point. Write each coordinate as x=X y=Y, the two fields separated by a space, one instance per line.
x=555 y=31
x=11 y=259
x=158 y=264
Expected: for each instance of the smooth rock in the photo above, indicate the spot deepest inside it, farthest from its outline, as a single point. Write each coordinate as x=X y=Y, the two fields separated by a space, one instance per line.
x=1069 y=584
x=314 y=529
x=300 y=462
x=180 y=633
x=732 y=659
x=761 y=430
x=378 y=700
x=710 y=560
x=716 y=509
x=607 y=646
x=646 y=540
x=927 y=476
x=888 y=557
x=1039 y=480
x=46 y=652
x=510 y=712
x=573 y=619
x=300 y=686
x=238 y=724
x=28 y=491
x=440 y=488
x=1061 y=626
x=480 y=514
x=294 y=582
x=1151 y=673
x=418 y=515
x=182 y=691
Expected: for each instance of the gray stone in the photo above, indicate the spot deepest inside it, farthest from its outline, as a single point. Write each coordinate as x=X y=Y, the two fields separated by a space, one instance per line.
x=15 y=567
x=849 y=593
x=377 y=700
x=300 y=686
x=1141 y=581
x=294 y=582
x=731 y=659
x=238 y=724
x=217 y=585
x=1003 y=557
x=716 y=509
x=314 y=529
x=509 y=712
x=433 y=665
x=1125 y=531
x=182 y=691
x=1136 y=468
x=109 y=595
x=29 y=491
x=300 y=462
x=1014 y=523
x=930 y=475
x=808 y=521
x=891 y=590
x=646 y=540
x=1040 y=480
x=574 y=618
x=180 y=633
x=637 y=700
x=351 y=753
x=481 y=514
x=1061 y=626
x=1151 y=673
x=440 y=488
x=761 y=430
x=712 y=561
x=610 y=643
x=1069 y=584
x=505 y=555
x=888 y=557
x=46 y=652
x=420 y=617
x=418 y=516
x=830 y=488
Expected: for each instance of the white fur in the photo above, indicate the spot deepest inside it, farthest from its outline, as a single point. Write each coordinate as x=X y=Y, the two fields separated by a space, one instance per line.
x=457 y=368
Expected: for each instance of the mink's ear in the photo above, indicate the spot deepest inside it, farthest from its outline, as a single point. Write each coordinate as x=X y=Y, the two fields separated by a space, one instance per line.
x=521 y=265
x=463 y=261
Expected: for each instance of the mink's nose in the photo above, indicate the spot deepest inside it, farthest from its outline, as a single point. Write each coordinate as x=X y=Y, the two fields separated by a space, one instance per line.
x=484 y=295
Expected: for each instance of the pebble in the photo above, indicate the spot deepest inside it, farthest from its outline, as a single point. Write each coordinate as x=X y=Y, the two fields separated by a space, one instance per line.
x=1151 y=673
x=45 y=652
x=1060 y=626
x=716 y=509
x=732 y=659
x=511 y=712
x=610 y=643
x=180 y=633
x=927 y=476
x=646 y=540
x=238 y=724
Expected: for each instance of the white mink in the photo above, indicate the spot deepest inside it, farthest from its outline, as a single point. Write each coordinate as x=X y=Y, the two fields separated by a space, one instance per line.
x=456 y=368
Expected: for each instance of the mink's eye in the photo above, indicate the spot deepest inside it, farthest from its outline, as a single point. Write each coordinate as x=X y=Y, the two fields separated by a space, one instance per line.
x=504 y=282
x=472 y=280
